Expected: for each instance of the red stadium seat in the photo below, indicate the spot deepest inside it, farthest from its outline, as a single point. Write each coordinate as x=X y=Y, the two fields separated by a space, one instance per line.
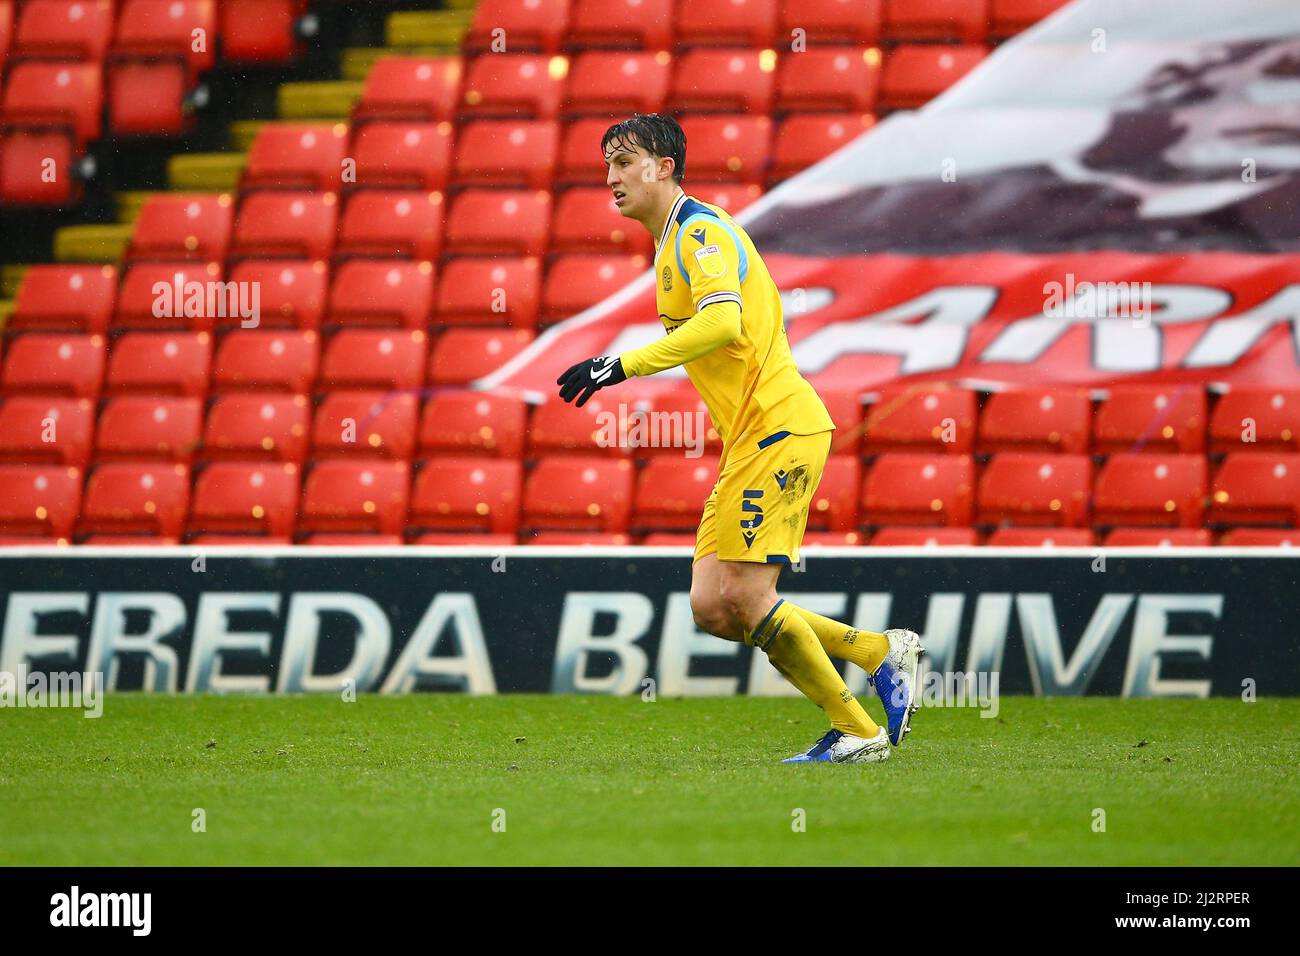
x=260 y=31
x=243 y=497
x=297 y=156
x=732 y=81
x=902 y=537
x=257 y=427
x=579 y=494
x=964 y=20
x=392 y=292
x=55 y=365
x=291 y=293
x=732 y=197
x=728 y=148
x=688 y=416
x=804 y=140
x=287 y=225
x=533 y=25
x=574 y=283
x=623 y=24
x=353 y=540
x=356 y=496
x=575 y=539
x=374 y=359
x=671 y=539
x=160 y=363
x=148 y=99
x=451 y=539
x=403 y=155
x=241 y=540
x=39 y=500
x=143 y=303
x=740 y=23
x=60 y=95
x=580 y=161
x=463 y=355
x=514 y=85
x=396 y=224
x=507 y=153
x=467 y=494
x=27 y=160
x=916 y=73
x=1025 y=489
x=129 y=497
x=417 y=88
x=613 y=82
x=916 y=489
x=159 y=29
x=1167 y=490
x=6 y=29
x=834 y=504
x=499 y=222
x=1254 y=488
x=490 y=292
x=830 y=78
x=464 y=423
x=64 y=29
x=130 y=541
x=671 y=491
x=586 y=220
x=35 y=429
x=365 y=425
x=280 y=360
x=845 y=408
x=594 y=429
x=1036 y=419
x=142 y=427
x=1041 y=538
x=930 y=418
x=175 y=226
x=75 y=298
x=824 y=22
x=1159 y=537
x=1261 y=538
x=1158 y=418
x=1256 y=419
x=1009 y=17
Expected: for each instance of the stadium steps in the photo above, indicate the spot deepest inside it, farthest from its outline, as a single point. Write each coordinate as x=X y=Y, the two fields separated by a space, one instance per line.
x=6 y=310
x=355 y=63
x=206 y=172
x=92 y=243
x=408 y=28
x=321 y=100
x=129 y=202
x=11 y=277
x=243 y=132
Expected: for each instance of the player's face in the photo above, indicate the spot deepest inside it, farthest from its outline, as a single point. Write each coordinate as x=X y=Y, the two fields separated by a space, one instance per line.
x=633 y=178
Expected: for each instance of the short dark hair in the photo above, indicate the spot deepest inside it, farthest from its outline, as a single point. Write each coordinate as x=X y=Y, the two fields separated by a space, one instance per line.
x=657 y=133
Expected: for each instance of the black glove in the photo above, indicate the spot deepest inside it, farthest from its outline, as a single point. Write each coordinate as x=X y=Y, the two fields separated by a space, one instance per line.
x=587 y=378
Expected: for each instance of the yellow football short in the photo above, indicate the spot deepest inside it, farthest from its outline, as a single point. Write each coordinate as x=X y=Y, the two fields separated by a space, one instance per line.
x=758 y=509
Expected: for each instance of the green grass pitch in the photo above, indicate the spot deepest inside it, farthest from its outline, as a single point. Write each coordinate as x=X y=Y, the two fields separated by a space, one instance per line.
x=597 y=780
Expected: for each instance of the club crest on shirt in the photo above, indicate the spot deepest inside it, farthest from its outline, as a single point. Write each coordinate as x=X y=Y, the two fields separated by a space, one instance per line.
x=712 y=264
x=668 y=279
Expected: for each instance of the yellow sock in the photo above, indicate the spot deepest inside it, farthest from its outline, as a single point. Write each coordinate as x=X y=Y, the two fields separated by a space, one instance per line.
x=864 y=648
x=793 y=648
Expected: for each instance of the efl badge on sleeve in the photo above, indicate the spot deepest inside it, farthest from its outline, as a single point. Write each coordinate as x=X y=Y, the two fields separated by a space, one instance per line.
x=711 y=261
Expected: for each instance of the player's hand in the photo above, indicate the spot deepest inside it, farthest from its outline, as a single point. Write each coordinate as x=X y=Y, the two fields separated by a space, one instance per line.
x=587 y=378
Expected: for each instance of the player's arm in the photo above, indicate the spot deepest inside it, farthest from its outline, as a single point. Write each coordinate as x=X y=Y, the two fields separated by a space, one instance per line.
x=715 y=266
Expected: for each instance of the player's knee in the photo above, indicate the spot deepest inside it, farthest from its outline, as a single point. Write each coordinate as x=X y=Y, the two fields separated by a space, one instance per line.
x=710 y=615
x=744 y=603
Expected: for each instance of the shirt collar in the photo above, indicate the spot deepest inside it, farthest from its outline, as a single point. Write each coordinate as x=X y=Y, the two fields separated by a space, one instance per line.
x=668 y=223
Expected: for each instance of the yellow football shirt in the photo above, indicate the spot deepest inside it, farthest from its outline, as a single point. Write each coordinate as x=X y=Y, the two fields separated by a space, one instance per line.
x=712 y=286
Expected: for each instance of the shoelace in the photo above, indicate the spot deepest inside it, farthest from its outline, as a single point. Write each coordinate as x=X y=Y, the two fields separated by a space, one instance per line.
x=827 y=740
